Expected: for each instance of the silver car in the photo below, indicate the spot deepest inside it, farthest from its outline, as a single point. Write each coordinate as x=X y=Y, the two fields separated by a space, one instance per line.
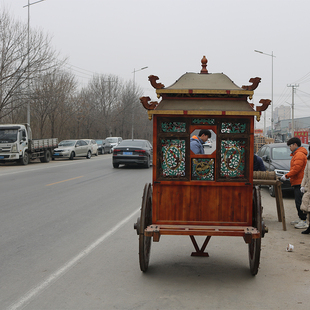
x=94 y=146
x=72 y=148
x=114 y=141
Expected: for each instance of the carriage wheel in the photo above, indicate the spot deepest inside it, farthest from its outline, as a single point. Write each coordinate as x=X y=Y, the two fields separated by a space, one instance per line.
x=145 y=220
x=255 y=245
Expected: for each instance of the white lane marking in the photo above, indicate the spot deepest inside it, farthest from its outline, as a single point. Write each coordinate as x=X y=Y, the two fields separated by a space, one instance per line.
x=27 y=168
x=60 y=272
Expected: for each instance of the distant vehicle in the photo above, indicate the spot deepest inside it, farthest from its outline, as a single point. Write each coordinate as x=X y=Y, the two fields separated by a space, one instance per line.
x=16 y=144
x=100 y=146
x=94 y=146
x=276 y=157
x=133 y=152
x=72 y=148
x=104 y=147
x=208 y=143
x=114 y=141
x=278 y=141
x=107 y=147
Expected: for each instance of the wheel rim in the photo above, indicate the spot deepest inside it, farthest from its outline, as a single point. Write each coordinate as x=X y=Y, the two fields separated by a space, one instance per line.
x=255 y=245
x=145 y=220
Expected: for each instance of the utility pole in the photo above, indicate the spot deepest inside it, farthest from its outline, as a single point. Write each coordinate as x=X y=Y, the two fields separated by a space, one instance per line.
x=28 y=52
x=272 y=56
x=294 y=86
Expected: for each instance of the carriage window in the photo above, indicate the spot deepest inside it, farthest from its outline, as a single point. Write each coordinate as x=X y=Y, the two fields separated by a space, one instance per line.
x=173 y=158
x=233 y=158
x=210 y=145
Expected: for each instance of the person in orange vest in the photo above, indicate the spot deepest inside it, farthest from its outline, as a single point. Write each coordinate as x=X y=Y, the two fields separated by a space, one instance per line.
x=196 y=143
x=296 y=174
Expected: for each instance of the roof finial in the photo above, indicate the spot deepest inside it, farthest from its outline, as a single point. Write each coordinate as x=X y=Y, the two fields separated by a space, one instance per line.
x=204 y=61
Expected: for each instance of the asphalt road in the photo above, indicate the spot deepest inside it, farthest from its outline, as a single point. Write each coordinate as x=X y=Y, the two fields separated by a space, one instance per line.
x=67 y=242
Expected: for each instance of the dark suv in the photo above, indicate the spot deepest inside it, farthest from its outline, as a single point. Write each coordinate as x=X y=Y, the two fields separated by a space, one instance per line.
x=276 y=157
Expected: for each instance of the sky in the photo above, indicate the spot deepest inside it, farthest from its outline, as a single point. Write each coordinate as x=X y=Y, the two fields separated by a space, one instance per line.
x=170 y=37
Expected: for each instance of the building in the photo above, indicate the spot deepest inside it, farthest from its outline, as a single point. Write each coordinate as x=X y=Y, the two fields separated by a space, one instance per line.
x=281 y=113
x=283 y=128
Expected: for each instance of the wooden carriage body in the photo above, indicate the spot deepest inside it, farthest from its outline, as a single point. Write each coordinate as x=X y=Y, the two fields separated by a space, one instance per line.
x=211 y=189
x=208 y=194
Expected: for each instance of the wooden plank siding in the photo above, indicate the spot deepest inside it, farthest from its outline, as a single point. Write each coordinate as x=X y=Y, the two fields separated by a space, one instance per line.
x=202 y=205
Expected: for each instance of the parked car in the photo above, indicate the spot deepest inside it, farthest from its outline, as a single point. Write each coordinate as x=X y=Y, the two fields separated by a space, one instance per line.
x=100 y=146
x=208 y=143
x=114 y=141
x=104 y=147
x=133 y=152
x=276 y=157
x=94 y=146
x=107 y=147
x=72 y=148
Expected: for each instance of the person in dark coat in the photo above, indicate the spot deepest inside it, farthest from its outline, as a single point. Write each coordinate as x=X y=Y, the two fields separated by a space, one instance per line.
x=258 y=164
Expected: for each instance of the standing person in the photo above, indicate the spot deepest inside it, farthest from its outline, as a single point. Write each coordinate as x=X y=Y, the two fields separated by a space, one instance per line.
x=296 y=174
x=305 y=188
x=258 y=164
x=196 y=143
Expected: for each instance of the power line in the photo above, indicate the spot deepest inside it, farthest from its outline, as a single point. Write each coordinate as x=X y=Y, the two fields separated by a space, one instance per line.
x=306 y=76
x=301 y=99
x=79 y=71
x=82 y=69
x=285 y=93
x=303 y=92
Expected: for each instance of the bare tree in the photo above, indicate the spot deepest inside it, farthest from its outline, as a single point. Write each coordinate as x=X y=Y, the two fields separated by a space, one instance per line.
x=107 y=106
x=130 y=116
x=50 y=93
x=20 y=62
x=103 y=93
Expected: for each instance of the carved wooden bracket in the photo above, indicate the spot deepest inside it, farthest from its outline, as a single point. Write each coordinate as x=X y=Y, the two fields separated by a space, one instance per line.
x=265 y=103
x=153 y=79
x=149 y=106
x=255 y=81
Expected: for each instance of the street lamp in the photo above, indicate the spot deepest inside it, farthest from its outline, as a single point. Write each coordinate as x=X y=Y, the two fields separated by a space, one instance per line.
x=28 y=104
x=272 y=56
x=134 y=76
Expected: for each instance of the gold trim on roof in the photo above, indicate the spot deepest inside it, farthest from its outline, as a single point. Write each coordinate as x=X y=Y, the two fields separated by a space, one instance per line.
x=192 y=112
x=205 y=91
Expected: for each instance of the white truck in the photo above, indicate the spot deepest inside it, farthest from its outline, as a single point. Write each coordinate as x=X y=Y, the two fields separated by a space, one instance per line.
x=16 y=144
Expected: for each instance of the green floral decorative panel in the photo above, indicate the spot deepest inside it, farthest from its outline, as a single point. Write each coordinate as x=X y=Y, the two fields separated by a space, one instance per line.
x=203 y=169
x=173 y=127
x=233 y=128
x=232 y=159
x=173 y=158
x=203 y=121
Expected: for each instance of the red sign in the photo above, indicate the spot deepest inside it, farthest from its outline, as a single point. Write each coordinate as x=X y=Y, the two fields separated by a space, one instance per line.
x=302 y=135
x=258 y=131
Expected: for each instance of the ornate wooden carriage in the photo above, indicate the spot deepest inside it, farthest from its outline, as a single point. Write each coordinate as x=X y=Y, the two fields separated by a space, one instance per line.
x=202 y=195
